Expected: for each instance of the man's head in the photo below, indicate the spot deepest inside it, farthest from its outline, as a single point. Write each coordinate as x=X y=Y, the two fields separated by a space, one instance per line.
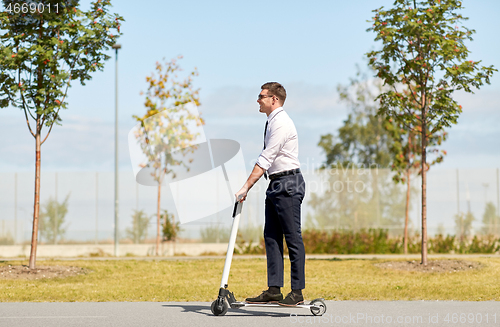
x=271 y=96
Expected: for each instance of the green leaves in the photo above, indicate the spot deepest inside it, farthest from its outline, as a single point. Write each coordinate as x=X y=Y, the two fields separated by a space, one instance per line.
x=43 y=52
x=165 y=125
x=423 y=59
x=170 y=228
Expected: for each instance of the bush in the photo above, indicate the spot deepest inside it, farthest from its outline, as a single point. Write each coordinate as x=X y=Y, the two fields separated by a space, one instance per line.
x=377 y=241
x=214 y=233
x=440 y=244
x=350 y=242
x=483 y=244
x=6 y=240
x=243 y=247
x=170 y=229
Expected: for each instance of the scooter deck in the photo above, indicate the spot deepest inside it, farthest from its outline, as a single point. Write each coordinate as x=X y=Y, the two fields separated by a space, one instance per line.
x=236 y=305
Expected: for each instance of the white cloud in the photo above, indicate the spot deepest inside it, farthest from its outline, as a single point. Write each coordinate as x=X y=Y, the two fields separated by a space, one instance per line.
x=87 y=142
x=482 y=101
x=302 y=98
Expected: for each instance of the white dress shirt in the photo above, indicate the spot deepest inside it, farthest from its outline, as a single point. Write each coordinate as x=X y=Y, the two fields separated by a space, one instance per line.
x=282 y=145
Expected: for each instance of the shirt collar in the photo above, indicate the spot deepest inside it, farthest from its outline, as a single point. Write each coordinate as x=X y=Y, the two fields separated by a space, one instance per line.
x=274 y=113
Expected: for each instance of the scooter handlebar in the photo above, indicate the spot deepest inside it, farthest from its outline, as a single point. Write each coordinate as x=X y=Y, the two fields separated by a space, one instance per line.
x=237 y=208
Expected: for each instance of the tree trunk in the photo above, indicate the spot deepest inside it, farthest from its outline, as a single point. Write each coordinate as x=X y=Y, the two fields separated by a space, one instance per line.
x=408 y=175
x=174 y=236
x=461 y=229
x=56 y=215
x=424 y=184
x=376 y=197
x=36 y=209
x=355 y=227
x=405 y=241
x=158 y=221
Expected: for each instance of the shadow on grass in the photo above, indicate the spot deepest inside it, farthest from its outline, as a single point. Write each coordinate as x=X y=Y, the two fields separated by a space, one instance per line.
x=205 y=310
x=342 y=259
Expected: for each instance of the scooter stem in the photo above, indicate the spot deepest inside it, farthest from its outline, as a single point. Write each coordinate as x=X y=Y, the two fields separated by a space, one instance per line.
x=230 y=245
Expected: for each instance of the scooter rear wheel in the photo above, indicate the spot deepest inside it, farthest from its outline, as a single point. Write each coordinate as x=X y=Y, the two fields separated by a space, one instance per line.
x=219 y=310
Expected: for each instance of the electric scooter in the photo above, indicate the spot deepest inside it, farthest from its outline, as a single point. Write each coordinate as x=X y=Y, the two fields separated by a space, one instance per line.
x=226 y=299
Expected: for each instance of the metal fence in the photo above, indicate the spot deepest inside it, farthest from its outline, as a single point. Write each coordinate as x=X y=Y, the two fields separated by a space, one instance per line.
x=344 y=198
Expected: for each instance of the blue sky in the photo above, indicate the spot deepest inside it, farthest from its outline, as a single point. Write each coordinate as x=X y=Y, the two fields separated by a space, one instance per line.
x=309 y=47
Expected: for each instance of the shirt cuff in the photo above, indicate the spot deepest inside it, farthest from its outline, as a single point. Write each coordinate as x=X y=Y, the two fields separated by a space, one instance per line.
x=263 y=163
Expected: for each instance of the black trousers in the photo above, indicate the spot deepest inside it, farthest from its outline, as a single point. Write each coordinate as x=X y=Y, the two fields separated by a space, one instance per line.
x=284 y=197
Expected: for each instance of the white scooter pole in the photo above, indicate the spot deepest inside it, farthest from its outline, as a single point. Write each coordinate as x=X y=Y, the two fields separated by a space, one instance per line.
x=230 y=245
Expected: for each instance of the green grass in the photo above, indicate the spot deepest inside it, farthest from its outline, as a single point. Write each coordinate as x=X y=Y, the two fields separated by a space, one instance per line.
x=198 y=280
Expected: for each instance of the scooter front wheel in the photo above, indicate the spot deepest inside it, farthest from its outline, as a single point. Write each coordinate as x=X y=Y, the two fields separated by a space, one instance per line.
x=218 y=308
x=319 y=307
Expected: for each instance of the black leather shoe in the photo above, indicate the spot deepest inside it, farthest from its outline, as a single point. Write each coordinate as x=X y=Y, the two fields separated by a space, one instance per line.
x=265 y=297
x=292 y=299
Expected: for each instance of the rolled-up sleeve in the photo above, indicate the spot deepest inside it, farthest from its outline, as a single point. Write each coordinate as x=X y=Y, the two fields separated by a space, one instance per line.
x=275 y=143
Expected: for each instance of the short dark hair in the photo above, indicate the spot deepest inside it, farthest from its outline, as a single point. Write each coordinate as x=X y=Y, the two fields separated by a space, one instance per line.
x=276 y=89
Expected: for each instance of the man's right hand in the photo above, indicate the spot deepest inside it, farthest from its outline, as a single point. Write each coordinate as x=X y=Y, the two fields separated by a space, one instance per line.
x=241 y=195
x=257 y=172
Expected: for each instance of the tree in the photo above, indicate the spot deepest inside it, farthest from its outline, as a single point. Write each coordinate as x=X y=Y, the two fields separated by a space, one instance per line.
x=406 y=153
x=463 y=225
x=52 y=220
x=491 y=221
x=170 y=228
x=362 y=142
x=42 y=52
x=423 y=52
x=165 y=126
x=139 y=230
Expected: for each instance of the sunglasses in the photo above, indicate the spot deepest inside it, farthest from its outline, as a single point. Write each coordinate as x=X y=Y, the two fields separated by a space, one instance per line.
x=262 y=96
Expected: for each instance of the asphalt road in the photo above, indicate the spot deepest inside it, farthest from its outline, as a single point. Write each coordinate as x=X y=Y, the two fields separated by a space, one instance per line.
x=339 y=313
